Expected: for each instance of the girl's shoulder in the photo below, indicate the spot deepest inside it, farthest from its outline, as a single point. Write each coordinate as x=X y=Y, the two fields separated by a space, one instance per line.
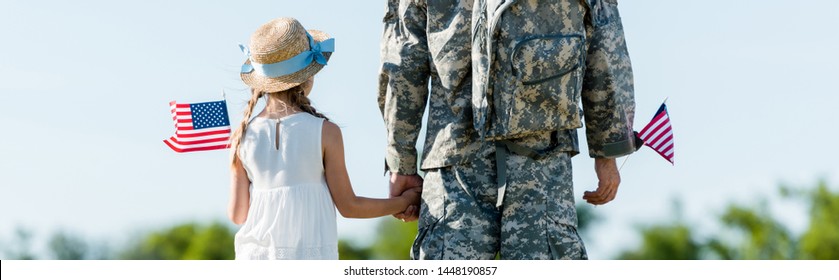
x=331 y=138
x=330 y=130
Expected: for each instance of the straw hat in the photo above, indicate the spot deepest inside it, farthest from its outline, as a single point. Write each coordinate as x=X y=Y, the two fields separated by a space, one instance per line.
x=279 y=41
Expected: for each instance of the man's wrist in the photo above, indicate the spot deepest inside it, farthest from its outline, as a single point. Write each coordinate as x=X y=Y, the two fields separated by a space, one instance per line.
x=604 y=162
x=400 y=167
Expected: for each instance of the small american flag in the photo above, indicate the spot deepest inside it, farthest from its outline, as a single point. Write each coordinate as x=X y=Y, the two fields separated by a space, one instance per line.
x=658 y=134
x=199 y=127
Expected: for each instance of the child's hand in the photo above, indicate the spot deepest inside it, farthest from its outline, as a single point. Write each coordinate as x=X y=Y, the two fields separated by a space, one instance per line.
x=398 y=185
x=412 y=195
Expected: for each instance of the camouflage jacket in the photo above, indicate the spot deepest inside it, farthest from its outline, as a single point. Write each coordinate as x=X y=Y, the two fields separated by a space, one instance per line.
x=431 y=41
x=536 y=62
x=422 y=41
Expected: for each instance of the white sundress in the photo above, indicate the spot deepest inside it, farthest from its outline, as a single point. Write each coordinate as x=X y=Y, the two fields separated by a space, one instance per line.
x=291 y=215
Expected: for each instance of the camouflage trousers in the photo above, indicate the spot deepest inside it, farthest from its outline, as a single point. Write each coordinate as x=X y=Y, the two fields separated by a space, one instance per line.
x=459 y=219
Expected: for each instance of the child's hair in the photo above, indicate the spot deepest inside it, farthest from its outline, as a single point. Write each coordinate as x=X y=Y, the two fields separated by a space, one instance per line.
x=298 y=100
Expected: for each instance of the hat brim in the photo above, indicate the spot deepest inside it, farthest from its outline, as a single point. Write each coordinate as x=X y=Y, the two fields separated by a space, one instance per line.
x=282 y=83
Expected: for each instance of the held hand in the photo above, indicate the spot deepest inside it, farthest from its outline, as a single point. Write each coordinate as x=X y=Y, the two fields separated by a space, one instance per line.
x=413 y=196
x=400 y=183
x=412 y=212
x=609 y=179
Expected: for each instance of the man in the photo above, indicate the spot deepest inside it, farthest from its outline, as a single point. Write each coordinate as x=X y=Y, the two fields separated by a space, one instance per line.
x=498 y=179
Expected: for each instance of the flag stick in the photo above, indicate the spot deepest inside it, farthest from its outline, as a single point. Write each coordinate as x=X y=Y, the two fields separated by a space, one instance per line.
x=223 y=95
x=624 y=162
x=665 y=100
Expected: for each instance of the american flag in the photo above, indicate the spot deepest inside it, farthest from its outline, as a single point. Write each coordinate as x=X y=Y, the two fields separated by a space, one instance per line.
x=199 y=126
x=658 y=134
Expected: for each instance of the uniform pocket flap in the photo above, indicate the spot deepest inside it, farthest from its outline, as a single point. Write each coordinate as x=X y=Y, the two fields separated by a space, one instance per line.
x=544 y=57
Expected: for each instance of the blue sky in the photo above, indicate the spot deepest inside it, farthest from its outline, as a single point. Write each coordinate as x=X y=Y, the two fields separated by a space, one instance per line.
x=85 y=87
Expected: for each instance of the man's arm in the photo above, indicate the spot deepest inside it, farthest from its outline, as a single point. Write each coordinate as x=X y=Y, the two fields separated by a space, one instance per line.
x=608 y=98
x=608 y=94
x=403 y=82
x=403 y=92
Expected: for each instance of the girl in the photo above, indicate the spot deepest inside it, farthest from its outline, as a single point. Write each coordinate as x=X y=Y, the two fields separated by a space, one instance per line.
x=291 y=155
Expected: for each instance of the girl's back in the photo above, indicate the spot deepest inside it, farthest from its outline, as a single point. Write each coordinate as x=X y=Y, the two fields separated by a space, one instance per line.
x=288 y=175
x=291 y=213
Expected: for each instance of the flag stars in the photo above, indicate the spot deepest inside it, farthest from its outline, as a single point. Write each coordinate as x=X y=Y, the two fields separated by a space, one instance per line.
x=211 y=114
x=208 y=119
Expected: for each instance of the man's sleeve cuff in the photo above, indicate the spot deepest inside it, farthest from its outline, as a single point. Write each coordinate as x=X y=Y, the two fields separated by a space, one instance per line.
x=613 y=150
x=401 y=165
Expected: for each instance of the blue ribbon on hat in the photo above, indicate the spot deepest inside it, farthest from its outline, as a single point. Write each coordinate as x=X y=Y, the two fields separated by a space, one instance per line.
x=291 y=65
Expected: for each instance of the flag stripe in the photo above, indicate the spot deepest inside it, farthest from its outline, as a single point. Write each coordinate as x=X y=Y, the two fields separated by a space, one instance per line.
x=658 y=120
x=185 y=150
x=651 y=133
x=197 y=133
x=179 y=141
x=186 y=146
x=213 y=132
x=668 y=149
x=220 y=137
x=658 y=134
x=668 y=133
x=658 y=145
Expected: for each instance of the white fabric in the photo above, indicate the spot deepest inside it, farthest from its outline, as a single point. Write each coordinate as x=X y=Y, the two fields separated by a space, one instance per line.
x=291 y=214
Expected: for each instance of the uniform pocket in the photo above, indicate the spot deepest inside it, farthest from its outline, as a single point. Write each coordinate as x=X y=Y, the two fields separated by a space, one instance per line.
x=423 y=248
x=541 y=58
x=548 y=70
x=565 y=243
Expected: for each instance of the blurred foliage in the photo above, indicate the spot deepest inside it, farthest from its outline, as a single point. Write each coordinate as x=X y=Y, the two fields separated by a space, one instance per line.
x=190 y=241
x=586 y=218
x=21 y=245
x=665 y=242
x=750 y=233
x=747 y=232
x=394 y=240
x=763 y=237
x=821 y=240
x=348 y=250
x=64 y=245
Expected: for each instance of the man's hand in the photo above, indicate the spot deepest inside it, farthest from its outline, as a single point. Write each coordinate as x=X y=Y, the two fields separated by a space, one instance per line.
x=400 y=183
x=609 y=177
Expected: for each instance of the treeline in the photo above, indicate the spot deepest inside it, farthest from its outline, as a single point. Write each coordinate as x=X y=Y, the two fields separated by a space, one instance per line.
x=745 y=232
x=191 y=241
x=749 y=232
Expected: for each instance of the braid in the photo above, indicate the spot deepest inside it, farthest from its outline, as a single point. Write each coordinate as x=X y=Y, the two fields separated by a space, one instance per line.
x=299 y=99
x=237 y=136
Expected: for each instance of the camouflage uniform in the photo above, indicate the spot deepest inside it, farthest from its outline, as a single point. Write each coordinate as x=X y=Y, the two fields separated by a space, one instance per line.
x=463 y=214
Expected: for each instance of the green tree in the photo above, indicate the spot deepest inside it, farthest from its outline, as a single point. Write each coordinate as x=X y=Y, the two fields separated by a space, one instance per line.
x=22 y=245
x=821 y=239
x=67 y=246
x=750 y=233
x=762 y=236
x=394 y=240
x=348 y=250
x=586 y=218
x=190 y=241
x=665 y=242
x=674 y=240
